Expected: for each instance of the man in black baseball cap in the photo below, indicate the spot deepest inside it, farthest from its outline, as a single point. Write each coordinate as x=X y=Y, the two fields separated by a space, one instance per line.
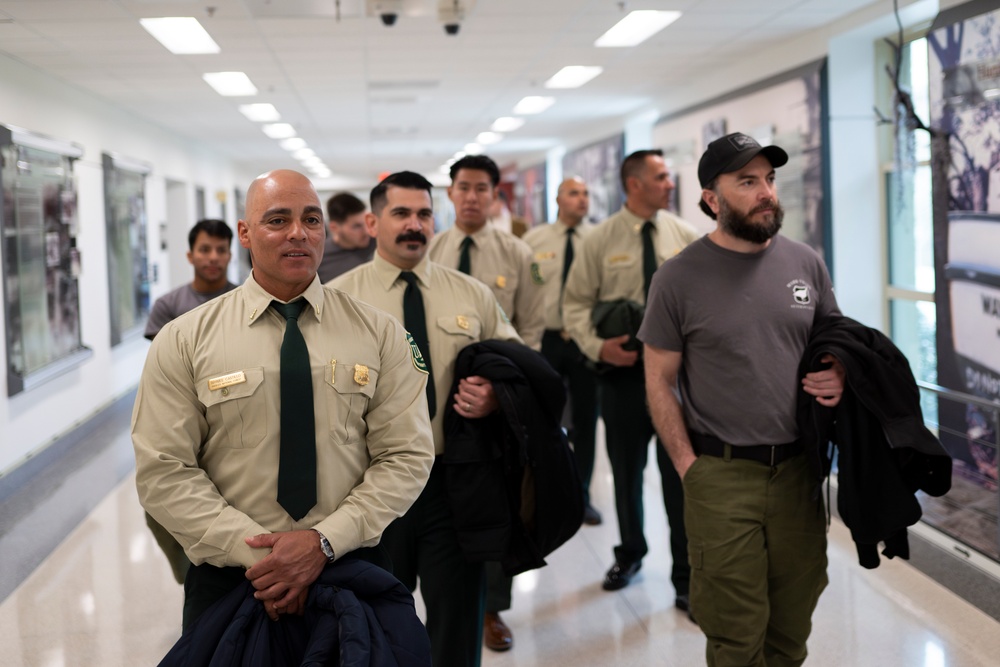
x=727 y=321
x=738 y=152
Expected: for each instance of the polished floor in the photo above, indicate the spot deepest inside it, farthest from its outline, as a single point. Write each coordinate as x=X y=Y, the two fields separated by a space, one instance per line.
x=105 y=597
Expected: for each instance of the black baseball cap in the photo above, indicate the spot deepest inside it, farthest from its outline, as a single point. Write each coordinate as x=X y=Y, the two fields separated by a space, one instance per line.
x=733 y=152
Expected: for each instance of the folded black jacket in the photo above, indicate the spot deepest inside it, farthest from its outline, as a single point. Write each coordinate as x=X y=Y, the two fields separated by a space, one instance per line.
x=357 y=615
x=512 y=481
x=885 y=453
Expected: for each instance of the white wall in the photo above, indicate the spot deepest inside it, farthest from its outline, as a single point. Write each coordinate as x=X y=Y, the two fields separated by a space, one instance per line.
x=31 y=420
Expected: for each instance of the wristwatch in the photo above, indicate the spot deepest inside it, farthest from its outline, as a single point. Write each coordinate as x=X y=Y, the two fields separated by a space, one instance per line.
x=324 y=545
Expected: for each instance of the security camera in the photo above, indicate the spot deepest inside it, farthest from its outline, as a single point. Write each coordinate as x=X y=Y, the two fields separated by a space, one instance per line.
x=387 y=10
x=388 y=18
x=452 y=28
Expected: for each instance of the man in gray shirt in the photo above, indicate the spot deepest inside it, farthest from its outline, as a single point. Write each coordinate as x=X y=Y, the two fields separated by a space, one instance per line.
x=348 y=243
x=726 y=322
x=209 y=253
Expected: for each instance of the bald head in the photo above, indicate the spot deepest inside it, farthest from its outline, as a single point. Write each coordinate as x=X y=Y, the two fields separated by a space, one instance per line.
x=573 y=199
x=284 y=232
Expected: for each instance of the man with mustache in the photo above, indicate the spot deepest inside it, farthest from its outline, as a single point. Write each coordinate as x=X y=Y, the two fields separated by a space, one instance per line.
x=282 y=425
x=727 y=322
x=457 y=311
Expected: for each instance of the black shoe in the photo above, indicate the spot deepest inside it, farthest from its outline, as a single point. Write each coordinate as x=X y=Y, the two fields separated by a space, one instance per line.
x=683 y=602
x=591 y=517
x=620 y=575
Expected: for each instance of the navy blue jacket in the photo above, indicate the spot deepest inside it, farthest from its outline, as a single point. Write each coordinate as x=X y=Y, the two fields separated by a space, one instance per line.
x=357 y=615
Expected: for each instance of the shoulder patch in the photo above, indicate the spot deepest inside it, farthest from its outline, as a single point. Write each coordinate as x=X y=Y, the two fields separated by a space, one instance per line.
x=415 y=356
x=536 y=274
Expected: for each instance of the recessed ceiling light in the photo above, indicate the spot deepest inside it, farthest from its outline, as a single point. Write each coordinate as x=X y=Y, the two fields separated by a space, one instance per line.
x=180 y=34
x=473 y=149
x=506 y=124
x=292 y=143
x=573 y=76
x=487 y=138
x=278 y=130
x=260 y=113
x=230 y=84
x=637 y=27
x=533 y=104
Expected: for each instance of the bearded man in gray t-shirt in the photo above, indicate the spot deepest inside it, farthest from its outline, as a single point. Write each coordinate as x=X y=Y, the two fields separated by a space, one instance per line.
x=727 y=321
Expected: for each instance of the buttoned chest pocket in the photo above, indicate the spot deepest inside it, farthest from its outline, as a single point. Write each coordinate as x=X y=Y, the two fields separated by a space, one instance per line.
x=238 y=401
x=459 y=330
x=349 y=388
x=621 y=275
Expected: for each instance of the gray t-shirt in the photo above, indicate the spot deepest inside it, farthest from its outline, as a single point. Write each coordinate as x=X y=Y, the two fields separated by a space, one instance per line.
x=741 y=322
x=337 y=261
x=175 y=303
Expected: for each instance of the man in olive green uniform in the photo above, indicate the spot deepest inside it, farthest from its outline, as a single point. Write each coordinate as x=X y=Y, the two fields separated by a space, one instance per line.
x=555 y=247
x=213 y=465
x=617 y=262
x=457 y=311
x=500 y=260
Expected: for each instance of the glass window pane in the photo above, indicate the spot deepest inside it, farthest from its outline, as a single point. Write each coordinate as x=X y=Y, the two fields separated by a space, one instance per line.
x=911 y=230
x=913 y=328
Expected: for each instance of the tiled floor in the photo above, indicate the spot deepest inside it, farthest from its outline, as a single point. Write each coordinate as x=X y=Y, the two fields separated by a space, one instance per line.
x=105 y=597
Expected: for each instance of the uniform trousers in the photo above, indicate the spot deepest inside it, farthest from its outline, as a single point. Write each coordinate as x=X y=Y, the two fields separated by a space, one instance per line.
x=423 y=545
x=628 y=429
x=757 y=541
x=581 y=384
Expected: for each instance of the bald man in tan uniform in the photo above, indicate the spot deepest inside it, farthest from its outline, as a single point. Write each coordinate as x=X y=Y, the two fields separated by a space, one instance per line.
x=206 y=420
x=459 y=310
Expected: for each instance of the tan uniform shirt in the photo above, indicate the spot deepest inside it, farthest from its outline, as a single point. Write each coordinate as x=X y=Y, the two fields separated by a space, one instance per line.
x=549 y=245
x=459 y=311
x=207 y=451
x=609 y=267
x=503 y=263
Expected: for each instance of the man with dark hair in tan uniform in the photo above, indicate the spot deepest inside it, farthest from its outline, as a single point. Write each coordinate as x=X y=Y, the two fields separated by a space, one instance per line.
x=458 y=310
x=212 y=409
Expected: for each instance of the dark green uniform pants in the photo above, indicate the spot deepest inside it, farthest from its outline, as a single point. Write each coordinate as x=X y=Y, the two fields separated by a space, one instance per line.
x=757 y=540
x=423 y=544
x=628 y=429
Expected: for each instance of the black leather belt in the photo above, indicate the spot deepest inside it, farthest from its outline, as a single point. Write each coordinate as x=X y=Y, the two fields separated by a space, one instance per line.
x=769 y=455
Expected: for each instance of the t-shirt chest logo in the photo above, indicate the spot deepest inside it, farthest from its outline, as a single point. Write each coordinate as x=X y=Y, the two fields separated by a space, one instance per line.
x=801 y=294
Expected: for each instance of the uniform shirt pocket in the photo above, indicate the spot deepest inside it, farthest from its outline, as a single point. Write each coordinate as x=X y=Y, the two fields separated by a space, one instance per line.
x=349 y=388
x=621 y=272
x=240 y=406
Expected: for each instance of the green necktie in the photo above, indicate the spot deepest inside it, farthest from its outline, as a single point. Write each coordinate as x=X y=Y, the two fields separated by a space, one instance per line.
x=415 y=321
x=297 y=460
x=648 y=256
x=568 y=255
x=464 y=263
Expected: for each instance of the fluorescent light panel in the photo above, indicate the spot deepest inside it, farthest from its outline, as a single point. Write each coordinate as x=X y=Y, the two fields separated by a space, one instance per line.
x=303 y=153
x=260 y=113
x=230 y=84
x=278 y=130
x=473 y=149
x=487 y=138
x=293 y=143
x=182 y=35
x=573 y=76
x=637 y=27
x=533 y=104
x=507 y=124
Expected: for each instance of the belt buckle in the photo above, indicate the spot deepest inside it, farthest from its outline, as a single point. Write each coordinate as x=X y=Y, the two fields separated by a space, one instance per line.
x=772 y=454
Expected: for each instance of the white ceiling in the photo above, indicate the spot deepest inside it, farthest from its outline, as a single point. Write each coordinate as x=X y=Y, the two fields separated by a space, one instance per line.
x=369 y=98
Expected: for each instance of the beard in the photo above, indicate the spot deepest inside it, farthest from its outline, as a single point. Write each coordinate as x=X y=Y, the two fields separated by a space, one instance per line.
x=742 y=227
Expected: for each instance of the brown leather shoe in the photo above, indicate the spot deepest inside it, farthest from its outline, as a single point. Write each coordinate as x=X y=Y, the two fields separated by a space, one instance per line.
x=496 y=635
